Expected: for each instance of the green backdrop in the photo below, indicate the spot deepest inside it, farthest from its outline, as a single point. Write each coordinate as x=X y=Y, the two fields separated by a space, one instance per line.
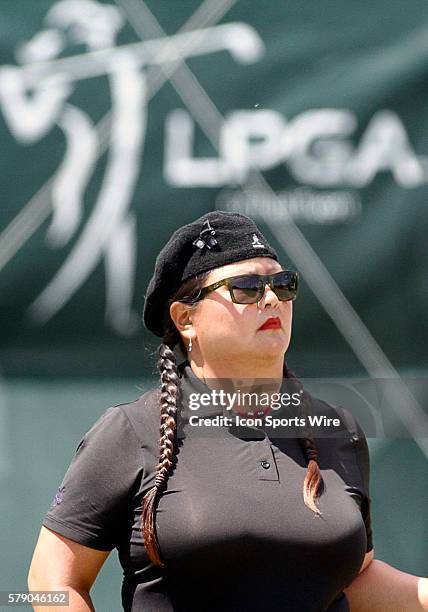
x=104 y=156
x=120 y=121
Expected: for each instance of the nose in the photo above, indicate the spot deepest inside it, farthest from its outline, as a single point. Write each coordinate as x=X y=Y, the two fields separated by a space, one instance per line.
x=269 y=298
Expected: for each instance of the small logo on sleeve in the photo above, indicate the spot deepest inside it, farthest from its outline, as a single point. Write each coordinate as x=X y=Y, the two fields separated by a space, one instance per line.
x=59 y=495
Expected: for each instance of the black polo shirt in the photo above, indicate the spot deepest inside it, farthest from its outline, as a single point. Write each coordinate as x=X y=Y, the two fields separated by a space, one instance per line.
x=232 y=526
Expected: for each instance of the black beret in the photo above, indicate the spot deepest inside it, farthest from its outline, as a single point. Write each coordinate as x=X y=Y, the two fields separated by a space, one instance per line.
x=215 y=239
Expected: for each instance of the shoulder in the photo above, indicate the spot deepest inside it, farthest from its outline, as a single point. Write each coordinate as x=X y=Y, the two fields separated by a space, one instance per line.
x=128 y=422
x=115 y=442
x=142 y=415
x=345 y=445
x=345 y=423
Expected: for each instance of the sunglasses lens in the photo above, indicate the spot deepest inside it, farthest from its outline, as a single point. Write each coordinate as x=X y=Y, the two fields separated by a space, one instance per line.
x=249 y=289
x=246 y=290
x=285 y=286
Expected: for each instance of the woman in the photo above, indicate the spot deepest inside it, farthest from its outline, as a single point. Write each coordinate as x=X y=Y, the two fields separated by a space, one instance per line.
x=230 y=516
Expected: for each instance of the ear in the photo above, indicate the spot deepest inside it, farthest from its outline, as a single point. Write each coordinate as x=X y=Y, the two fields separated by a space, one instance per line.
x=182 y=316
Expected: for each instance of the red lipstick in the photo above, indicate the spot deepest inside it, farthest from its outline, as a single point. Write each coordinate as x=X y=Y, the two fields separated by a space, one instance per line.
x=271 y=323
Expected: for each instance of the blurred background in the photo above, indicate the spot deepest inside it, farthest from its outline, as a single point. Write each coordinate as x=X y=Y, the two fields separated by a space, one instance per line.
x=121 y=121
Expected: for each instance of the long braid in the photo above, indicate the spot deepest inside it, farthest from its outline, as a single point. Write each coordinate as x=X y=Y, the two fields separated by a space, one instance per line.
x=170 y=388
x=313 y=483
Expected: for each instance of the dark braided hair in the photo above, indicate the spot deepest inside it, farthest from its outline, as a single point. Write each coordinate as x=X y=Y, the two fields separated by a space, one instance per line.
x=170 y=390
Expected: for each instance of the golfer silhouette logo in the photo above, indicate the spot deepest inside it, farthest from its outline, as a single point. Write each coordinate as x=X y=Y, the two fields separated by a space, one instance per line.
x=35 y=99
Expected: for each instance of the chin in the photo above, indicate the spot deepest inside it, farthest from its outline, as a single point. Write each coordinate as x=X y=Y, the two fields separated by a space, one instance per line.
x=273 y=347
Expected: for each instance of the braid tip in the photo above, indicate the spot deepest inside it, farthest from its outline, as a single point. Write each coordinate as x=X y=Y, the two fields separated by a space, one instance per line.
x=148 y=528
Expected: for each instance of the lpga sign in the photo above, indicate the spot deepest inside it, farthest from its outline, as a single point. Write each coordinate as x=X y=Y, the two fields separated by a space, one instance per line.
x=317 y=147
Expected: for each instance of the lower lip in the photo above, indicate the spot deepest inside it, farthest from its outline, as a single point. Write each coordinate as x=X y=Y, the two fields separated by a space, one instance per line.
x=271 y=325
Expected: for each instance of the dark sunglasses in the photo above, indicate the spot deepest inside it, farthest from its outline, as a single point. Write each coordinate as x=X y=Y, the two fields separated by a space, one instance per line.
x=250 y=288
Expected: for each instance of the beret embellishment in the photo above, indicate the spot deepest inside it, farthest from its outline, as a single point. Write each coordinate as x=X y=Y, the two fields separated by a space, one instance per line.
x=206 y=237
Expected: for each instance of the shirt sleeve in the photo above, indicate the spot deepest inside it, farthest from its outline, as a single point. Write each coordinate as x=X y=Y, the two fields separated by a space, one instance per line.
x=90 y=504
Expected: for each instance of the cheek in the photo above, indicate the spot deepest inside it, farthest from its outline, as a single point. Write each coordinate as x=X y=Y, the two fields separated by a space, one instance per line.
x=216 y=319
x=288 y=315
x=288 y=309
